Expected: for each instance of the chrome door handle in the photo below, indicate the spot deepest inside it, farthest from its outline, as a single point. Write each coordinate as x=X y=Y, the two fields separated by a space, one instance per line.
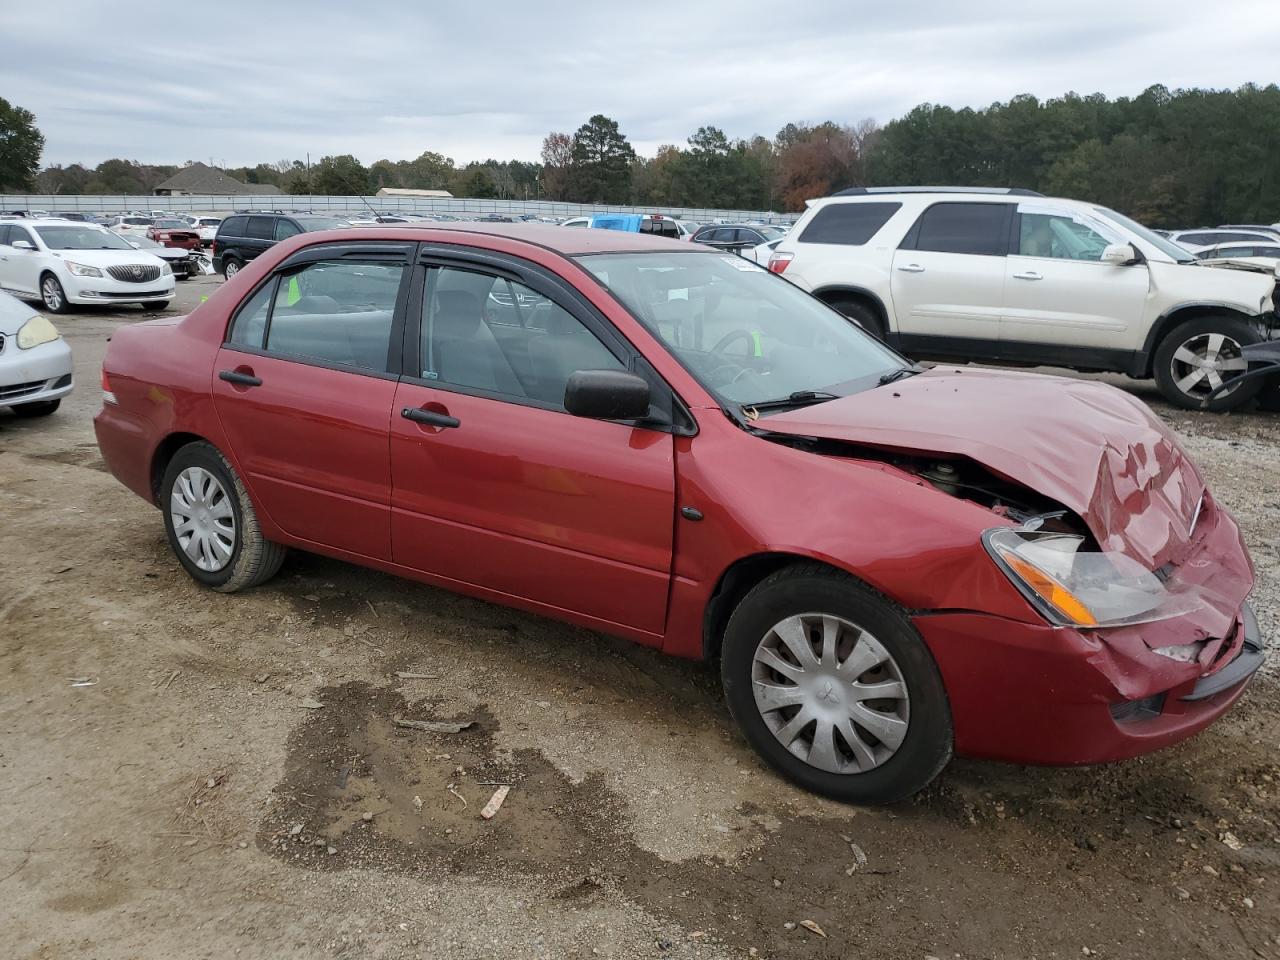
x=1028 y=275
x=911 y=268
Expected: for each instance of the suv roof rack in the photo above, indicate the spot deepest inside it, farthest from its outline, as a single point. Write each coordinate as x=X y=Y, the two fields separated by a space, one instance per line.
x=864 y=191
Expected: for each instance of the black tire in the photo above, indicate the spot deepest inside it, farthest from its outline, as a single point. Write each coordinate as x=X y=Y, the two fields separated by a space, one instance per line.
x=1269 y=395
x=1191 y=335
x=254 y=559
x=154 y=304
x=231 y=266
x=41 y=408
x=817 y=589
x=52 y=295
x=861 y=313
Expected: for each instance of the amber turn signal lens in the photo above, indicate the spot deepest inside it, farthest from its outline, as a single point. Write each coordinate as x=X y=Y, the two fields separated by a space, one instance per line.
x=1050 y=591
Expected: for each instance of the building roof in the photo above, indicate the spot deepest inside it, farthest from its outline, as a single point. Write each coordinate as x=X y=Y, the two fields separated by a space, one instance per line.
x=406 y=192
x=200 y=178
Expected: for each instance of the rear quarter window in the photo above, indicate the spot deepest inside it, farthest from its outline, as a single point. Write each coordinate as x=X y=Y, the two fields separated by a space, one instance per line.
x=233 y=226
x=850 y=224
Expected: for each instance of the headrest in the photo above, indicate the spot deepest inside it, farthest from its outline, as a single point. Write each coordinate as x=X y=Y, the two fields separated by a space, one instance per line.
x=458 y=314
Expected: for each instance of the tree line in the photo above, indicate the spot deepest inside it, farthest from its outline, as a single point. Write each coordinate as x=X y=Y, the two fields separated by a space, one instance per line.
x=1167 y=158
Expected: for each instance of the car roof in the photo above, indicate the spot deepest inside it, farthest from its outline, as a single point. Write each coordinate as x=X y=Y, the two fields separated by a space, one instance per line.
x=551 y=236
x=48 y=222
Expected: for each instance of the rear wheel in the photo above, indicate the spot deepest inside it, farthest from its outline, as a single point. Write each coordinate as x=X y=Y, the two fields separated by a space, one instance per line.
x=1200 y=355
x=211 y=523
x=861 y=313
x=41 y=408
x=51 y=292
x=834 y=688
x=230 y=267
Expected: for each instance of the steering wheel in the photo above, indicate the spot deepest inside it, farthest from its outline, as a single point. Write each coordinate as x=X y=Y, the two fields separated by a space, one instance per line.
x=732 y=337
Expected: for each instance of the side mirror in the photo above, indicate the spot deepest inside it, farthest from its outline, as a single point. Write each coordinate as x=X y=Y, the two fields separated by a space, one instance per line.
x=607 y=395
x=22 y=245
x=1119 y=254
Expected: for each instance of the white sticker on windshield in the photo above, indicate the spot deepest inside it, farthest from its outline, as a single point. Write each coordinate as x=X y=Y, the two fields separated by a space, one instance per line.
x=742 y=263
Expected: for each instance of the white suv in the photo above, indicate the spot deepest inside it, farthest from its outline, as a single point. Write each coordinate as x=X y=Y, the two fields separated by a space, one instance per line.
x=1010 y=276
x=61 y=262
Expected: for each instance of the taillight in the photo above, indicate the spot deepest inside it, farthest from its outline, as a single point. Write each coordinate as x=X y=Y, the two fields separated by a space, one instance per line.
x=779 y=262
x=107 y=395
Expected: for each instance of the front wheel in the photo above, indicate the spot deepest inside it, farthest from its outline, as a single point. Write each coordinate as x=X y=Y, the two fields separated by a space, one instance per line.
x=41 y=408
x=211 y=523
x=51 y=292
x=1198 y=356
x=834 y=688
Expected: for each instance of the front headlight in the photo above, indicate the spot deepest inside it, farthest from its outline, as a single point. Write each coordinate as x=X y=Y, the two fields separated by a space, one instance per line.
x=36 y=331
x=1082 y=588
x=165 y=269
x=82 y=270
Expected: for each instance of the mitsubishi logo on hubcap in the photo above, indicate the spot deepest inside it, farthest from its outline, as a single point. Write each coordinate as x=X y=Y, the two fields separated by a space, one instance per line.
x=828 y=692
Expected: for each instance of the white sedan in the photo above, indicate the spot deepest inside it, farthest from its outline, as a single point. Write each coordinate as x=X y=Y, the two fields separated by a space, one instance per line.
x=35 y=362
x=64 y=263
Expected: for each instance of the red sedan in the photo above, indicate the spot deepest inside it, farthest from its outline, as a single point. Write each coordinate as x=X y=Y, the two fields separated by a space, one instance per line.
x=664 y=442
x=174 y=233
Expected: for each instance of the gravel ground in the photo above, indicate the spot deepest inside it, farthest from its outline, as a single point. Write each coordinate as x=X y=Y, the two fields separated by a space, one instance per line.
x=194 y=801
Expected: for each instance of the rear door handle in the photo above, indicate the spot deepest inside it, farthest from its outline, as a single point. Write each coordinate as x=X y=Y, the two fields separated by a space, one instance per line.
x=1028 y=275
x=243 y=379
x=911 y=268
x=430 y=417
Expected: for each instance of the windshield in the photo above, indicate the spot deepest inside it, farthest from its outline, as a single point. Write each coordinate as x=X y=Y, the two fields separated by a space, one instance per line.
x=748 y=336
x=321 y=223
x=73 y=237
x=1163 y=244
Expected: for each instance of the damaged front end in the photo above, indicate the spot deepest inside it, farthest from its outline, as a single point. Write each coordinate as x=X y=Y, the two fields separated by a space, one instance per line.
x=1102 y=524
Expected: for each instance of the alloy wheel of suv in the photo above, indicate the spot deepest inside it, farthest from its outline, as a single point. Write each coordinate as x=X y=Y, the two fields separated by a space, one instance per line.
x=1202 y=355
x=230 y=267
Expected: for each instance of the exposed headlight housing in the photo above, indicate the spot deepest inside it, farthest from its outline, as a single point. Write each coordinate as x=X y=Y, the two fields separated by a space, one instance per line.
x=82 y=270
x=1074 y=587
x=36 y=331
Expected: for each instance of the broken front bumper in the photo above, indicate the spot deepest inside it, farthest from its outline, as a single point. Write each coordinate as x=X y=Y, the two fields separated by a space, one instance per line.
x=1032 y=693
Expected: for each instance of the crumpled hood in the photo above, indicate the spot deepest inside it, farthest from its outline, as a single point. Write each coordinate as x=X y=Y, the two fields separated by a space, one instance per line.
x=1095 y=449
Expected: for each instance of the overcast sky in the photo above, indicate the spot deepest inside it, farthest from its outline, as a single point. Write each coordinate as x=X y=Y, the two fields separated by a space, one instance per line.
x=262 y=81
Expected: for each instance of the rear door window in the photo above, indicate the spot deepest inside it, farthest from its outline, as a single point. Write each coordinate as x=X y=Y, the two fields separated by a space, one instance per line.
x=980 y=229
x=850 y=224
x=336 y=311
x=260 y=228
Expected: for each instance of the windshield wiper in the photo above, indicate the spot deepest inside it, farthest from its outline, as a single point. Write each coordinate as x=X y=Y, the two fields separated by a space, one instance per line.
x=801 y=398
x=895 y=375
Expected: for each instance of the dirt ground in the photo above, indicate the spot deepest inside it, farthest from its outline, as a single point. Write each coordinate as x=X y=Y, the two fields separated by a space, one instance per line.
x=191 y=800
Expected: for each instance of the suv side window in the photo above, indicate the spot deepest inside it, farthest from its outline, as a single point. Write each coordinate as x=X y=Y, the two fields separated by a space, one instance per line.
x=493 y=335
x=852 y=224
x=1058 y=236
x=286 y=229
x=339 y=311
x=981 y=229
x=17 y=233
x=4 y=234
x=233 y=226
x=260 y=228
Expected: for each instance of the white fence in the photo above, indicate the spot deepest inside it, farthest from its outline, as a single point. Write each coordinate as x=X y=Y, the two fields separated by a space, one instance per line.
x=457 y=206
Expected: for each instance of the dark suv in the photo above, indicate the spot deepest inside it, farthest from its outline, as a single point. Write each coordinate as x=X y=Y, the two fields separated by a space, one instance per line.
x=243 y=236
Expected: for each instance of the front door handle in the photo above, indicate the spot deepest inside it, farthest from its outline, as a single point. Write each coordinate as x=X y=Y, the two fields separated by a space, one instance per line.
x=911 y=268
x=430 y=417
x=1028 y=275
x=240 y=378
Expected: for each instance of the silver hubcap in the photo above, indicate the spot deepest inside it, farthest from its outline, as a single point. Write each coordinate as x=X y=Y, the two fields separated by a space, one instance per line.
x=1204 y=362
x=203 y=520
x=52 y=293
x=231 y=270
x=831 y=693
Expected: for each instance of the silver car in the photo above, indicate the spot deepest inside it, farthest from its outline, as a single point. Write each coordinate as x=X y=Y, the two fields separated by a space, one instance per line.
x=35 y=362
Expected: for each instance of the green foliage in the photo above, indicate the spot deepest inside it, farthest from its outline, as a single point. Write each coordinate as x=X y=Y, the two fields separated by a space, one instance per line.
x=600 y=171
x=21 y=144
x=342 y=176
x=1180 y=158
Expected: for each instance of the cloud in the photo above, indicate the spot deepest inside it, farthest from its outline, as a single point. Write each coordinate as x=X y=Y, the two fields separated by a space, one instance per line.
x=250 y=82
